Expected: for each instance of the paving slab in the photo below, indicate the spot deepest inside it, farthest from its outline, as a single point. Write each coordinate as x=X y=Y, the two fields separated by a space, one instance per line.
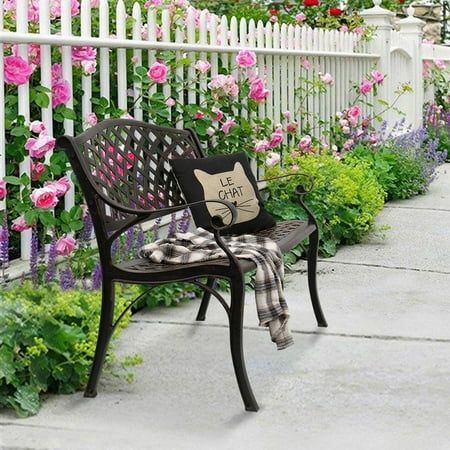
x=324 y=392
x=356 y=300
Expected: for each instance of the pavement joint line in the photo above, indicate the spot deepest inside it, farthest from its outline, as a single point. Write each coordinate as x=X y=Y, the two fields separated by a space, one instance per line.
x=418 y=208
x=382 y=266
x=378 y=337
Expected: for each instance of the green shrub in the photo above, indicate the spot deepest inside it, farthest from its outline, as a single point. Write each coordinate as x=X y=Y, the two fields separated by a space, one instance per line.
x=345 y=200
x=401 y=171
x=47 y=341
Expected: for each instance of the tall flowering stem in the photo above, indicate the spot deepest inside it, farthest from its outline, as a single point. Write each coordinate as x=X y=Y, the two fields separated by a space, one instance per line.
x=4 y=247
x=66 y=278
x=86 y=233
x=185 y=221
x=140 y=240
x=50 y=274
x=172 y=225
x=97 y=277
x=34 y=255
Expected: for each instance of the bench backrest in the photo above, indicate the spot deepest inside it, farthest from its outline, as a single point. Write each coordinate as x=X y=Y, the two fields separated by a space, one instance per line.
x=125 y=163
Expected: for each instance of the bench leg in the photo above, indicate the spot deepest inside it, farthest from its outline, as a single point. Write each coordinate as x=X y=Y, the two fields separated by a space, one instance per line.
x=312 y=278
x=211 y=283
x=104 y=335
x=237 y=353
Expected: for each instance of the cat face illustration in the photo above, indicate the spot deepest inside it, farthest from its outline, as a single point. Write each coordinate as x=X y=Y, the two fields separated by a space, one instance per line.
x=232 y=186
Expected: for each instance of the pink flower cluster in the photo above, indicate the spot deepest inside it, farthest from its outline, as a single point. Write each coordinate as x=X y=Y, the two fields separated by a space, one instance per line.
x=61 y=92
x=47 y=196
x=86 y=58
x=366 y=85
x=223 y=85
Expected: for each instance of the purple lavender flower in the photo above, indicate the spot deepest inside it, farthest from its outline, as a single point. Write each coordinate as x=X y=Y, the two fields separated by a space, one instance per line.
x=115 y=248
x=140 y=240
x=129 y=240
x=156 y=229
x=97 y=277
x=50 y=274
x=184 y=222
x=172 y=225
x=4 y=244
x=86 y=233
x=66 y=279
x=34 y=254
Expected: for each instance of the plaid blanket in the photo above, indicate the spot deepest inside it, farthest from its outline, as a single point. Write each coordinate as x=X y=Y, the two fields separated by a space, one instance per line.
x=200 y=246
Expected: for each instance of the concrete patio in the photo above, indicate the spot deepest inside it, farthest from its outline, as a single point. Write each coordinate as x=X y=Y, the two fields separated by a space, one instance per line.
x=377 y=378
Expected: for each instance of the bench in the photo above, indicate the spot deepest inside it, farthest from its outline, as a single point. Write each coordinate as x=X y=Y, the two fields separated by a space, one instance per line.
x=123 y=169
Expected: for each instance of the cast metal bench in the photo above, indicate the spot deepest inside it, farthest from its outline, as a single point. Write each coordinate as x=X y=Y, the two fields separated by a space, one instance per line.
x=123 y=168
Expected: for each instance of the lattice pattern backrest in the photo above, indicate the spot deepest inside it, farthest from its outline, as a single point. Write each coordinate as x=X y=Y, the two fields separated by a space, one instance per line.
x=129 y=162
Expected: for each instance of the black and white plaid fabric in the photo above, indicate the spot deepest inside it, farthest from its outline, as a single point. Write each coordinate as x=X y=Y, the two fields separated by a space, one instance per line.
x=200 y=246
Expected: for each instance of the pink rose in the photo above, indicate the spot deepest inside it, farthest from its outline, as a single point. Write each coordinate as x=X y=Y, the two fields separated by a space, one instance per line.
x=273 y=19
x=56 y=72
x=150 y=3
x=377 y=76
x=16 y=70
x=440 y=64
x=202 y=66
x=95 y=3
x=65 y=245
x=300 y=17
x=199 y=115
x=292 y=127
x=38 y=127
x=224 y=85
x=89 y=67
x=276 y=139
x=305 y=143
x=272 y=159
x=84 y=53
x=327 y=78
x=170 y=102
x=226 y=127
x=261 y=146
x=354 y=111
x=258 y=91
x=348 y=144
x=158 y=72
x=19 y=224
x=344 y=29
x=38 y=147
x=358 y=30
x=61 y=92
x=210 y=131
x=37 y=169
x=373 y=139
x=91 y=119
x=305 y=63
x=287 y=114
x=55 y=8
x=218 y=114
x=246 y=58
x=365 y=86
x=44 y=198
x=60 y=186
x=3 y=190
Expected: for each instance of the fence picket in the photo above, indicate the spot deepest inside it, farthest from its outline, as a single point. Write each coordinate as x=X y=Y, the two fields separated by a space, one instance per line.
x=23 y=92
x=86 y=80
x=137 y=61
x=104 y=52
x=121 y=32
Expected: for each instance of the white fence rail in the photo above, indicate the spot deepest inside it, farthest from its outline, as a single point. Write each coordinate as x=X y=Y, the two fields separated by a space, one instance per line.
x=280 y=51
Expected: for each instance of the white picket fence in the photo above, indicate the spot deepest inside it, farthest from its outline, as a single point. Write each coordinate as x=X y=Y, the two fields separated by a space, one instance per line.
x=279 y=49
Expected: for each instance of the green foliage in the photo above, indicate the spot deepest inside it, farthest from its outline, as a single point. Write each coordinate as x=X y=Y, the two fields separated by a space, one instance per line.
x=47 y=341
x=402 y=174
x=345 y=199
